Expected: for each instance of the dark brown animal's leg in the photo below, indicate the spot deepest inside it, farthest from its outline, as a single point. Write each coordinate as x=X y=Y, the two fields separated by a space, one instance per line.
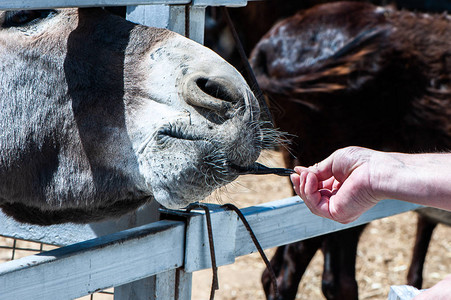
x=340 y=250
x=290 y=263
x=276 y=264
x=425 y=228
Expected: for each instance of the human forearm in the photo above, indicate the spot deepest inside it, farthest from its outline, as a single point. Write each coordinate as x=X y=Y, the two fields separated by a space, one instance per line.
x=419 y=178
x=354 y=179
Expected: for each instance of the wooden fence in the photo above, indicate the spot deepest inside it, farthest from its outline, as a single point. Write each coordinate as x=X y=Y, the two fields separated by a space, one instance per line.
x=137 y=257
x=170 y=249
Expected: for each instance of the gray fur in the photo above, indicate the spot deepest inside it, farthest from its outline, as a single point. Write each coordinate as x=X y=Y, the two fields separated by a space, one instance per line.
x=73 y=144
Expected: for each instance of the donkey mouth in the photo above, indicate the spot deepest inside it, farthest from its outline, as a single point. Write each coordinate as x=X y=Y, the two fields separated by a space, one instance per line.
x=259 y=169
x=174 y=132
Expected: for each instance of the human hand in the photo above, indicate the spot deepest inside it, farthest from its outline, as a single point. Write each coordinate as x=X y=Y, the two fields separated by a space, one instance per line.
x=440 y=291
x=339 y=188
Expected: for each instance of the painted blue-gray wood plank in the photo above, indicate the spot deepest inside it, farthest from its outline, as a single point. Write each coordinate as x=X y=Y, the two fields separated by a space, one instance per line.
x=174 y=284
x=83 y=268
x=162 y=16
x=275 y=223
x=67 y=234
x=39 y=4
x=231 y=3
x=134 y=254
x=289 y=220
x=197 y=252
x=185 y=282
x=196 y=23
x=185 y=20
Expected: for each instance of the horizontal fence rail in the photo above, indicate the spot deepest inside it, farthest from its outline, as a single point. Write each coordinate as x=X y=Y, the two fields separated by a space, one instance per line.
x=137 y=253
x=40 y=4
x=83 y=268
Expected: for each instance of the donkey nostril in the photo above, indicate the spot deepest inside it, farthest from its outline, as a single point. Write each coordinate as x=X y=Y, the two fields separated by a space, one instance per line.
x=217 y=90
x=218 y=95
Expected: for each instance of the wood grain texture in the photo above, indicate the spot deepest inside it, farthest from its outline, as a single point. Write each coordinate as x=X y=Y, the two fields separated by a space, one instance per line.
x=160 y=248
x=289 y=220
x=40 y=4
x=83 y=268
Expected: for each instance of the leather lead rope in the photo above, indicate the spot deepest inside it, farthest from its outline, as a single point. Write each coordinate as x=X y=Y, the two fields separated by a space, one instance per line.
x=257 y=245
x=214 y=267
x=251 y=80
x=215 y=281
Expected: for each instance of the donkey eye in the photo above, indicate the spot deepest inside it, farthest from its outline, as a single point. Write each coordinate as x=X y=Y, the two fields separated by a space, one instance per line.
x=25 y=17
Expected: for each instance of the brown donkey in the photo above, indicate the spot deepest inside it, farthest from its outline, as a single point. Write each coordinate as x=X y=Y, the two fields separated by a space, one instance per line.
x=350 y=73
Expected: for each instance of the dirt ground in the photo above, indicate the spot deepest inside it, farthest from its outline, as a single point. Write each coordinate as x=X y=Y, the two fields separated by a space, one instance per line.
x=383 y=255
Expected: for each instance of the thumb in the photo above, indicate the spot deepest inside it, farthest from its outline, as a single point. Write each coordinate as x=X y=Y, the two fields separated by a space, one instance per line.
x=322 y=170
x=340 y=164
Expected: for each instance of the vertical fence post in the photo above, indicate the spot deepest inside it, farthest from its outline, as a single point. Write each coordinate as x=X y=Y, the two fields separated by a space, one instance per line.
x=195 y=23
x=184 y=19
x=171 y=17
